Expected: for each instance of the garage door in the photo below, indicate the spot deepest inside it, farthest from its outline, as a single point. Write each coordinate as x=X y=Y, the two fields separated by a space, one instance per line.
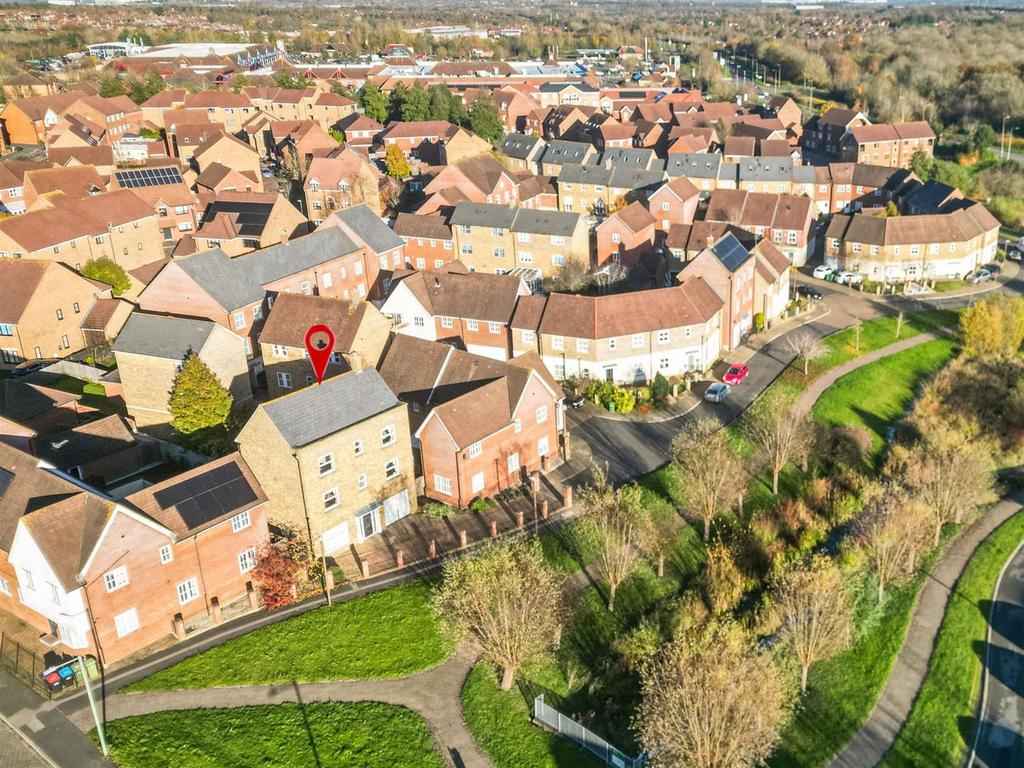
x=335 y=538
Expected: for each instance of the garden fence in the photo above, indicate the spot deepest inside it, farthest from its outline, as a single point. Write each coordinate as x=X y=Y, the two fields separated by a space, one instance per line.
x=590 y=741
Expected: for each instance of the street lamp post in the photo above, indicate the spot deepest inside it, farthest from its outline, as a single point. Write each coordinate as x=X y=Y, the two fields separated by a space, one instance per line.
x=92 y=705
x=1003 y=151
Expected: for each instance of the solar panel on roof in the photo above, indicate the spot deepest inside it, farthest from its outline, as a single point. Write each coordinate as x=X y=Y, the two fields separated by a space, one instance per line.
x=730 y=252
x=208 y=496
x=135 y=178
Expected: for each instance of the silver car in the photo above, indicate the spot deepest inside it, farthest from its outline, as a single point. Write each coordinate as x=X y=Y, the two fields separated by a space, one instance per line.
x=716 y=392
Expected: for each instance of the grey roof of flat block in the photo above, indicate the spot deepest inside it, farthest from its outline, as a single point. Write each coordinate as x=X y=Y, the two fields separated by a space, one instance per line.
x=585 y=174
x=543 y=222
x=238 y=282
x=159 y=336
x=634 y=178
x=694 y=165
x=728 y=171
x=730 y=252
x=565 y=152
x=636 y=157
x=766 y=169
x=804 y=174
x=519 y=145
x=483 y=215
x=367 y=225
x=556 y=87
x=323 y=409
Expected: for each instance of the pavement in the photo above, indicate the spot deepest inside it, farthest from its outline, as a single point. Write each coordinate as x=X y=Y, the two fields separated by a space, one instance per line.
x=999 y=734
x=15 y=752
x=878 y=734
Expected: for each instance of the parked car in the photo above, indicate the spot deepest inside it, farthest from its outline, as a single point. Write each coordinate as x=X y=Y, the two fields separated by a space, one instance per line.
x=574 y=399
x=849 y=278
x=716 y=392
x=31 y=366
x=1014 y=254
x=737 y=372
x=978 y=277
x=822 y=271
x=994 y=268
x=809 y=291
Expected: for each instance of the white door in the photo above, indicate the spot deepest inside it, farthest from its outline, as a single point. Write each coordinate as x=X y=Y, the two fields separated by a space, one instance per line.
x=335 y=538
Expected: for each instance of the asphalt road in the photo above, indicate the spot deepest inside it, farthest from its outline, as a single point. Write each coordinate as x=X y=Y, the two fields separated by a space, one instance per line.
x=1000 y=741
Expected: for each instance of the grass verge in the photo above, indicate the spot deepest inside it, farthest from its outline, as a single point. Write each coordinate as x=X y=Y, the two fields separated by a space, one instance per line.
x=349 y=735
x=386 y=634
x=932 y=734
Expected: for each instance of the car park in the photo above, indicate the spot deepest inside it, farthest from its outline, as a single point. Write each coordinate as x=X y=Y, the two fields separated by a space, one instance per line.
x=737 y=372
x=716 y=392
x=822 y=271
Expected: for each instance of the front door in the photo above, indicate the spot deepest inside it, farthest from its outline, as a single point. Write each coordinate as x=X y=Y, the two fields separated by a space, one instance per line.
x=368 y=523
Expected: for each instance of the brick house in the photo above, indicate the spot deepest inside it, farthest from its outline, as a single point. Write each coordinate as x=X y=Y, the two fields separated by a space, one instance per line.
x=118 y=115
x=384 y=251
x=335 y=460
x=111 y=578
x=786 y=220
x=626 y=338
x=471 y=310
x=341 y=181
x=360 y=334
x=897 y=249
x=558 y=154
x=479 y=179
x=164 y=190
x=674 y=202
x=498 y=239
x=431 y=142
x=44 y=308
x=230 y=152
x=596 y=189
x=239 y=222
x=49 y=187
x=771 y=281
x=360 y=131
x=481 y=425
x=890 y=144
x=521 y=151
x=824 y=133
x=26 y=121
x=150 y=350
x=728 y=268
x=116 y=225
x=429 y=243
x=225 y=108
x=626 y=237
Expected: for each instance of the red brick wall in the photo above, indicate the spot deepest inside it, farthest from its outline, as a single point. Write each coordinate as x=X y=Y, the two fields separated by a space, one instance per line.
x=414 y=250
x=679 y=212
x=630 y=248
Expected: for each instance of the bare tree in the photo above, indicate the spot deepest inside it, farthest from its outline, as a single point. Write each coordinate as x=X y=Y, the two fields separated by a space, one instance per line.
x=815 y=613
x=659 y=534
x=616 y=520
x=899 y=323
x=711 y=700
x=806 y=345
x=709 y=469
x=889 y=530
x=506 y=599
x=778 y=430
x=949 y=471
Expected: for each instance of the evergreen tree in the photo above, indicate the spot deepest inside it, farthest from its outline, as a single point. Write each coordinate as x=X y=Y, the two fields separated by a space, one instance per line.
x=485 y=120
x=111 y=85
x=416 y=105
x=374 y=102
x=439 y=108
x=398 y=96
x=200 y=405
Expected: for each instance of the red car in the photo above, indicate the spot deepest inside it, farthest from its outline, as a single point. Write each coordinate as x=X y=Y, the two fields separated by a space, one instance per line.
x=737 y=372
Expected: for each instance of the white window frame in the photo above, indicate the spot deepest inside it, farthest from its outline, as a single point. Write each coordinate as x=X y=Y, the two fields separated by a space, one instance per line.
x=247 y=560
x=115 y=578
x=188 y=591
x=241 y=521
x=331 y=499
x=442 y=484
x=166 y=554
x=126 y=622
x=325 y=464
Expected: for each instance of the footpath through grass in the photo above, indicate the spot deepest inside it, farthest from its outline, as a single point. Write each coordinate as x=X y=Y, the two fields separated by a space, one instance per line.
x=340 y=735
x=941 y=724
x=878 y=395
x=385 y=634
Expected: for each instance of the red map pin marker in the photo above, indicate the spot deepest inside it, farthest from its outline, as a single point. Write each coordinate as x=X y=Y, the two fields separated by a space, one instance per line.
x=319 y=346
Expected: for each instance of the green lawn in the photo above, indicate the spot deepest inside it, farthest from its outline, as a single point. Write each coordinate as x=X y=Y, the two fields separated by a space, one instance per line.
x=945 y=286
x=385 y=634
x=350 y=735
x=876 y=396
x=933 y=733
x=93 y=395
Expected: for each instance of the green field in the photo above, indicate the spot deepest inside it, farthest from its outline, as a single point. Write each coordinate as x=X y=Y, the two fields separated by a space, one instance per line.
x=351 y=735
x=934 y=734
x=386 y=634
x=878 y=395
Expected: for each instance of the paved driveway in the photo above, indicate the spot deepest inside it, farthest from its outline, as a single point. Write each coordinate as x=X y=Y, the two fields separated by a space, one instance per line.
x=1000 y=742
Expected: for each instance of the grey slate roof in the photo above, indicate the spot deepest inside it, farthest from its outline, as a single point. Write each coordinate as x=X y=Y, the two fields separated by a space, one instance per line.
x=557 y=87
x=368 y=226
x=320 y=410
x=238 y=282
x=804 y=174
x=693 y=165
x=565 y=152
x=543 y=222
x=519 y=145
x=730 y=252
x=635 y=178
x=766 y=169
x=159 y=336
x=483 y=215
x=585 y=174
x=635 y=157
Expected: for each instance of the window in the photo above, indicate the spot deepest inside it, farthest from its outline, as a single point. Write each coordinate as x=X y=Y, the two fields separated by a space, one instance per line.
x=328 y=281
x=357 y=447
x=325 y=464
x=257 y=312
x=513 y=463
x=127 y=622
x=557 y=342
x=613 y=343
x=447 y=322
x=477 y=483
x=387 y=435
x=115 y=579
x=5 y=587
x=526 y=257
x=663 y=337
x=247 y=560
x=391 y=469
x=447 y=245
x=77 y=308
x=443 y=485
x=542 y=446
x=523 y=237
x=305 y=289
x=239 y=320
x=517 y=426
x=466 y=250
x=188 y=591
x=278 y=350
x=54 y=593
x=557 y=260
x=494 y=327
x=582 y=346
x=665 y=205
x=284 y=380
x=616 y=237
x=465 y=229
x=497 y=232
x=27 y=580
x=240 y=522
x=330 y=498
x=663 y=364
x=528 y=337
x=64 y=342
x=472 y=325
x=542 y=414
x=362 y=482
x=60 y=314
x=166 y=554
x=638 y=340
x=791 y=237
x=557 y=240
x=6 y=329
x=418 y=322
x=499 y=253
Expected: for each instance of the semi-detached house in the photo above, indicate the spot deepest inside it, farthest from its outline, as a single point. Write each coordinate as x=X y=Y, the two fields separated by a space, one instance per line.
x=786 y=220
x=625 y=338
